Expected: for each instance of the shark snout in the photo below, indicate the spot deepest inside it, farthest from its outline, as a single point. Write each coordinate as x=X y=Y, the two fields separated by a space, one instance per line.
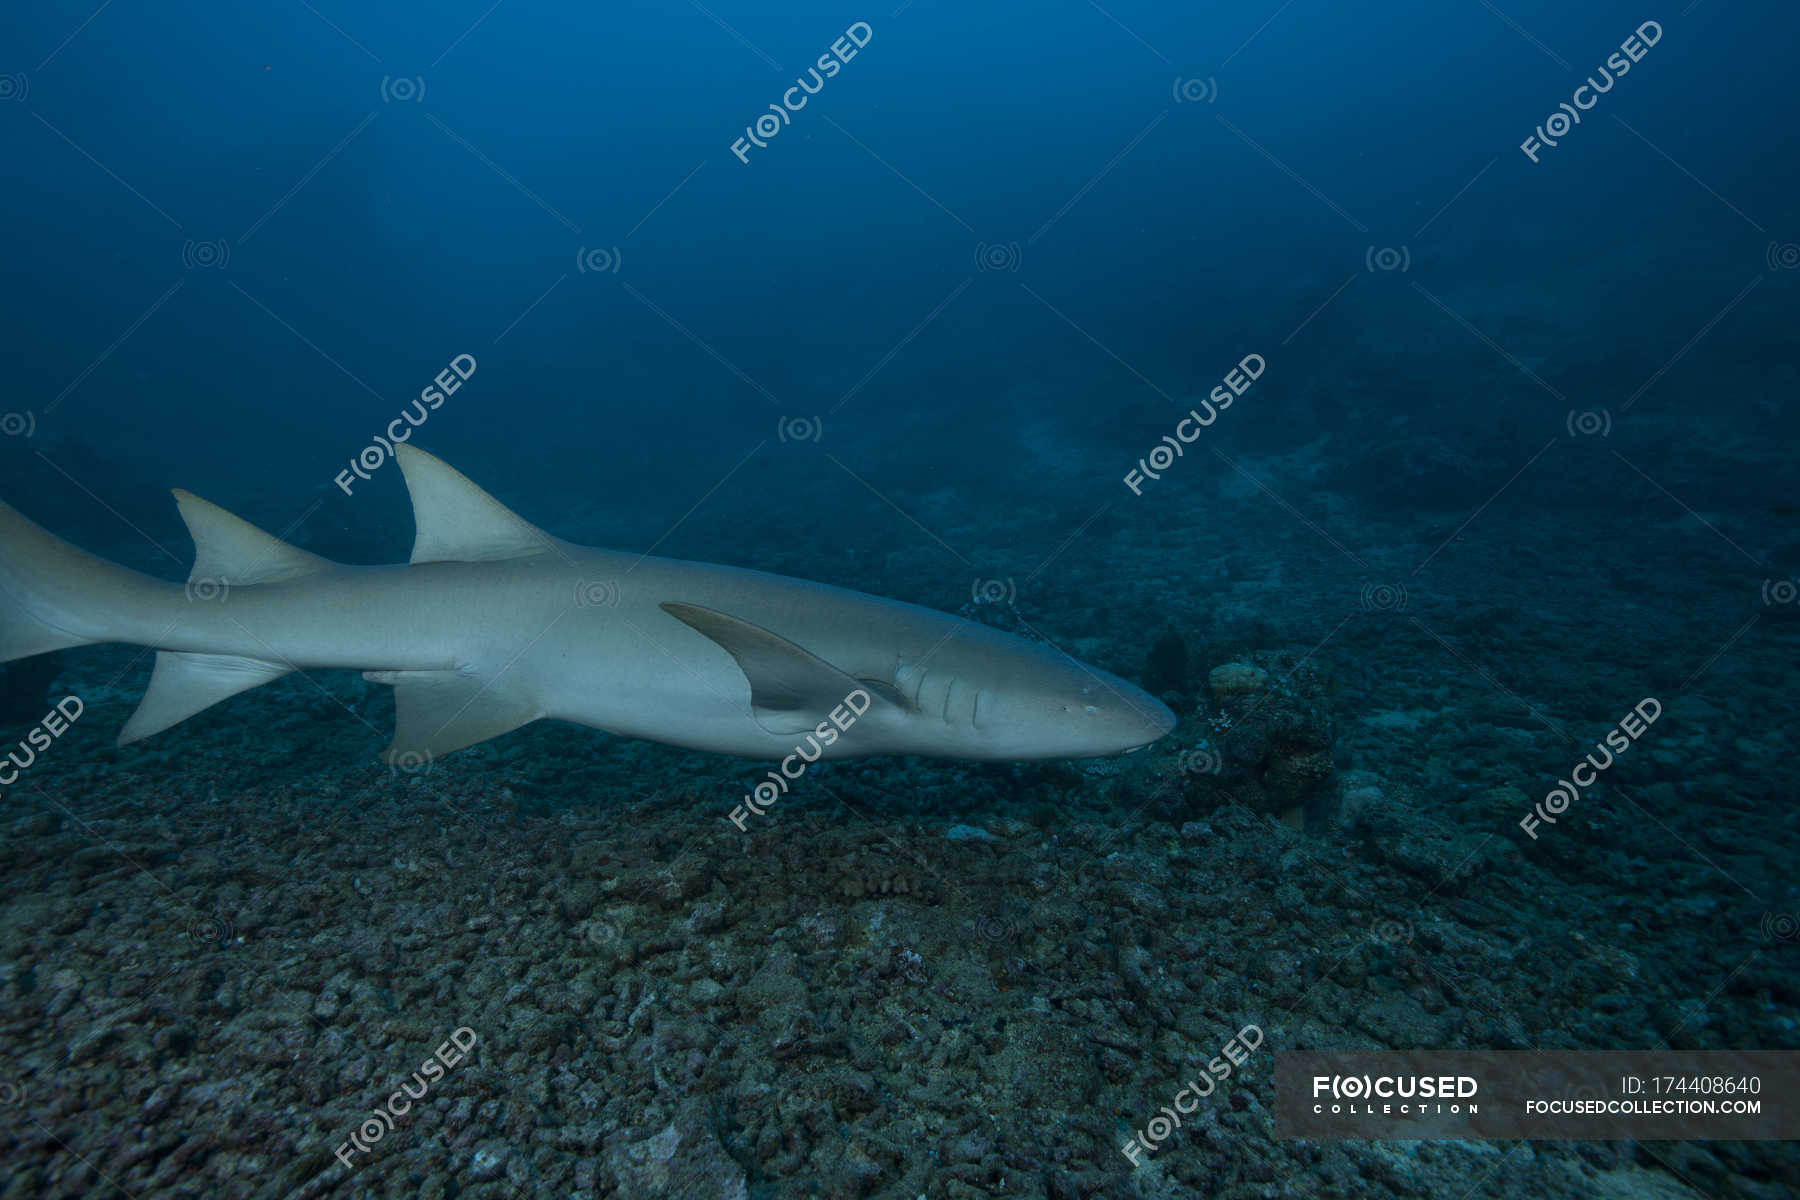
x=1159 y=720
x=1113 y=716
x=1143 y=721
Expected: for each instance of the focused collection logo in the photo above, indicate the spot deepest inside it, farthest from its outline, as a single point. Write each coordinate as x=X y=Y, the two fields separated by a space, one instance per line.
x=1417 y=1094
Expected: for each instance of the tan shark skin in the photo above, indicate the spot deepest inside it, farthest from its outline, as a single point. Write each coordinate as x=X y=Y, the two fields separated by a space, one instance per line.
x=495 y=623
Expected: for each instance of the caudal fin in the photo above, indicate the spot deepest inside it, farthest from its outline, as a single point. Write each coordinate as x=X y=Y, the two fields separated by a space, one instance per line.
x=52 y=595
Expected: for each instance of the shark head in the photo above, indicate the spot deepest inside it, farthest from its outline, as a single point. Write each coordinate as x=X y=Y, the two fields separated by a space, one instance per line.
x=992 y=696
x=969 y=692
x=1043 y=704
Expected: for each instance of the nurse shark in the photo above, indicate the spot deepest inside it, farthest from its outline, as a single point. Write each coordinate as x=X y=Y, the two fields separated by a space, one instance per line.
x=495 y=623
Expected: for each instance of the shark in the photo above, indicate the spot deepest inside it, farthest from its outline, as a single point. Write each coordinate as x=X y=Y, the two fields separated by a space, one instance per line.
x=494 y=624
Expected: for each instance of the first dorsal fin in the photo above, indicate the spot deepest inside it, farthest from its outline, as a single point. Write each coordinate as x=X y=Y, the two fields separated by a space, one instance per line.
x=230 y=550
x=457 y=521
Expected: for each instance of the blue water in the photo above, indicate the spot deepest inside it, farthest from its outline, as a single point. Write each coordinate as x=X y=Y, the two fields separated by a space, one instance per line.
x=1514 y=454
x=368 y=239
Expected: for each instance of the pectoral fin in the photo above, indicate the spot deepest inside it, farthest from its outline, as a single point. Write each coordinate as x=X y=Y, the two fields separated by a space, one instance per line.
x=437 y=712
x=791 y=689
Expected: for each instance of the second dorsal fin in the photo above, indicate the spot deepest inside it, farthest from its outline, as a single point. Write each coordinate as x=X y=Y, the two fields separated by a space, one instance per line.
x=230 y=550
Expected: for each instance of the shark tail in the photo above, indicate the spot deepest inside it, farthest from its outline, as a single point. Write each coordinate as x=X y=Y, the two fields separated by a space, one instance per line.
x=52 y=594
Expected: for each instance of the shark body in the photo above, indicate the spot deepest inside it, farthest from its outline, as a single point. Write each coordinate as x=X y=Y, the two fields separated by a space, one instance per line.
x=495 y=623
